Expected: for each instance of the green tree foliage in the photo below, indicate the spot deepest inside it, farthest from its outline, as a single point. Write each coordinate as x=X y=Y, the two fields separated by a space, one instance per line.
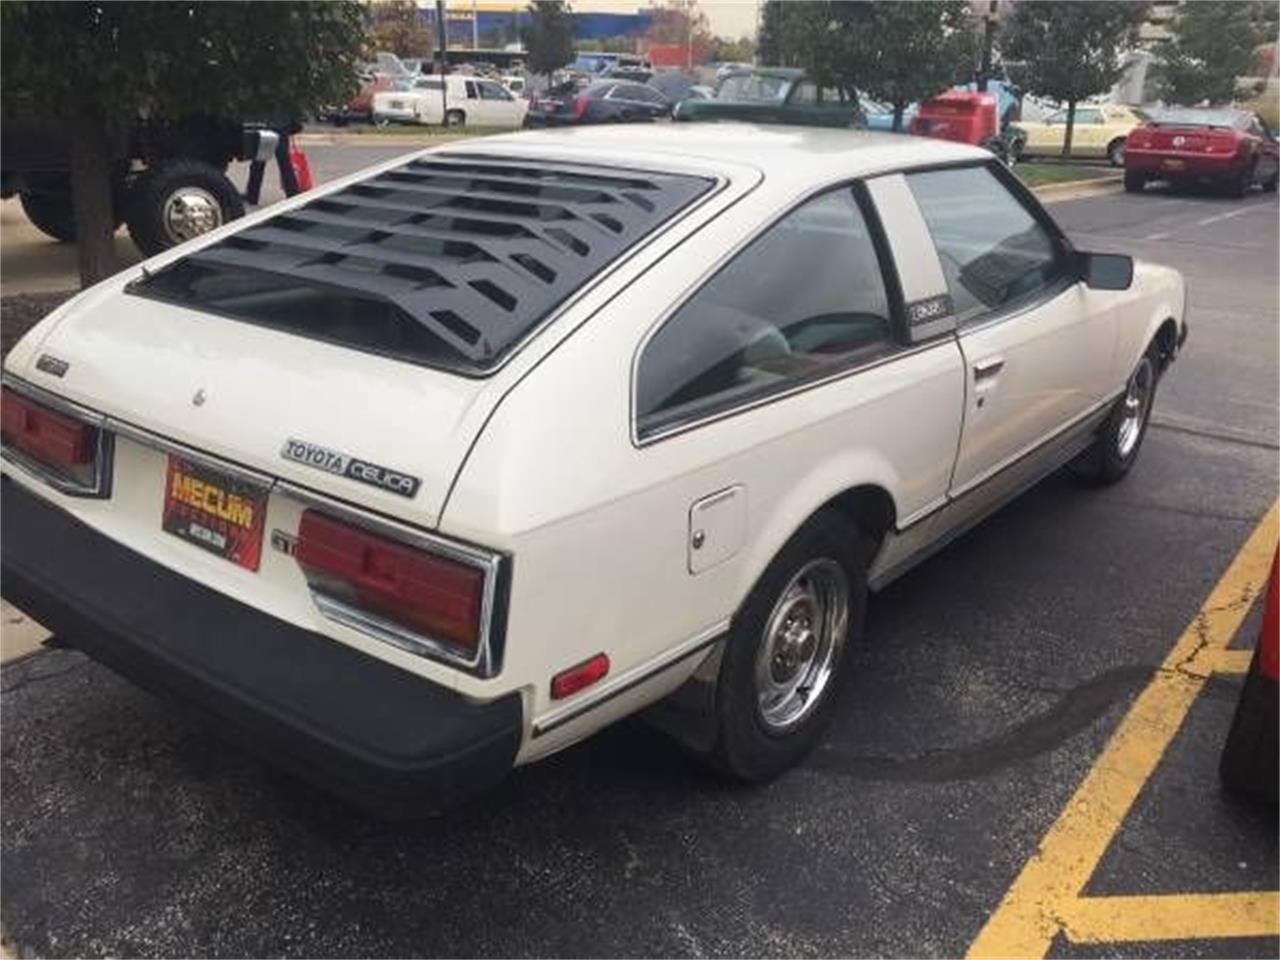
x=1069 y=49
x=727 y=50
x=548 y=37
x=100 y=66
x=397 y=27
x=915 y=50
x=895 y=51
x=1213 y=43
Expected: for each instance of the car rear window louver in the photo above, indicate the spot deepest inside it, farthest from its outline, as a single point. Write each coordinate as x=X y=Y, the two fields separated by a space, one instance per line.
x=473 y=250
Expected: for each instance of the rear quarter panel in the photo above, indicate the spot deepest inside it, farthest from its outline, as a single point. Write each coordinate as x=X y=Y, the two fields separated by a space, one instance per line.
x=598 y=524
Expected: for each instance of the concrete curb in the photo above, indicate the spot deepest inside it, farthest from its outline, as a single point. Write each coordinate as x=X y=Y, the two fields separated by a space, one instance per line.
x=1075 y=189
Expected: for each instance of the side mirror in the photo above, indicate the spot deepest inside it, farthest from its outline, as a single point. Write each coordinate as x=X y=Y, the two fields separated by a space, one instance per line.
x=1106 y=271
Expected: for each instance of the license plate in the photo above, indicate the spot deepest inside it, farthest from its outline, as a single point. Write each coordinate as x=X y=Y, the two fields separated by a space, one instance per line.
x=1174 y=164
x=215 y=512
x=397 y=104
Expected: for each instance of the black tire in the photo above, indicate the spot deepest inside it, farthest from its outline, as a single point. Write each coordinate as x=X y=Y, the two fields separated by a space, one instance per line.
x=455 y=118
x=1134 y=182
x=51 y=213
x=1248 y=766
x=1239 y=187
x=1114 y=451
x=747 y=747
x=149 y=224
x=1115 y=152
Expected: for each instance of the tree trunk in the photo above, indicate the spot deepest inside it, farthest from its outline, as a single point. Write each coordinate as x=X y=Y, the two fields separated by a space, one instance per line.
x=1071 y=128
x=898 y=110
x=91 y=198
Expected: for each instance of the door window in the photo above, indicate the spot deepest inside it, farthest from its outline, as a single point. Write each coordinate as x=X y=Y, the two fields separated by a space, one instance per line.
x=803 y=299
x=493 y=91
x=993 y=251
x=471 y=91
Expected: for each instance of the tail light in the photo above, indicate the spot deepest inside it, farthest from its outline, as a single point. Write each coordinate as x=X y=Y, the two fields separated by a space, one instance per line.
x=415 y=597
x=579 y=107
x=66 y=451
x=1138 y=138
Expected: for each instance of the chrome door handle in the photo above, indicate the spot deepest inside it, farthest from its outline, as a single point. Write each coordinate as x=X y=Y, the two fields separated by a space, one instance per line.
x=987 y=369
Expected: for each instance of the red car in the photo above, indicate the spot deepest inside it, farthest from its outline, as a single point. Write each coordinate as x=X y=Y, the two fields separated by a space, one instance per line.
x=1192 y=144
x=1249 y=759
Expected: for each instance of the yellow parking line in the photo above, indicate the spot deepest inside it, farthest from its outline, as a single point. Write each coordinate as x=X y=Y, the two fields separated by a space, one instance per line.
x=1191 y=916
x=1036 y=907
x=1233 y=661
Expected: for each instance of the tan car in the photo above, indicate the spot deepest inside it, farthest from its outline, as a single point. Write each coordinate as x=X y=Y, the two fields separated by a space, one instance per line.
x=1100 y=131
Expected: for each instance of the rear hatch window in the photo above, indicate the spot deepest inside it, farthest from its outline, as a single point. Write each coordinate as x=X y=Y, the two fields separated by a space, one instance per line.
x=446 y=261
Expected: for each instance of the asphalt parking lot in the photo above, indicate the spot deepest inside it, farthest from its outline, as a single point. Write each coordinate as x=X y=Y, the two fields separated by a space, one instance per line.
x=972 y=794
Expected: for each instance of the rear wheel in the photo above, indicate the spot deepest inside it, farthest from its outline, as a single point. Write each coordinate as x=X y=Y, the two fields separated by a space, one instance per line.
x=1116 y=445
x=179 y=200
x=1239 y=187
x=51 y=213
x=1134 y=182
x=785 y=655
x=1115 y=152
x=455 y=118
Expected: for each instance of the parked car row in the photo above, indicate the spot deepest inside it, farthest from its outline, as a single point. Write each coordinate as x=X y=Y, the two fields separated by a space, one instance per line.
x=1222 y=146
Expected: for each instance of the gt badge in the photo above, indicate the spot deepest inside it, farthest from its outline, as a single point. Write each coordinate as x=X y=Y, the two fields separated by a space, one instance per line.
x=344 y=465
x=48 y=363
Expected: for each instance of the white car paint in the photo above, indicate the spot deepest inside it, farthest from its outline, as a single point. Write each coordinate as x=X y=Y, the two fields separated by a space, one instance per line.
x=478 y=101
x=542 y=460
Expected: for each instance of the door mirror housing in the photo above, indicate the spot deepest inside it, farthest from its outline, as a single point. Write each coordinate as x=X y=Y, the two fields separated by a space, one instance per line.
x=1106 y=271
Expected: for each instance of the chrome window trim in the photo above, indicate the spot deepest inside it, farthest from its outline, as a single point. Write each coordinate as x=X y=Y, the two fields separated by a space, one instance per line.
x=895 y=350
x=104 y=452
x=486 y=661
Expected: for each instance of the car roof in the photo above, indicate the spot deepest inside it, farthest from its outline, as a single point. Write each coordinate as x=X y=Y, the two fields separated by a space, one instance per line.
x=783 y=154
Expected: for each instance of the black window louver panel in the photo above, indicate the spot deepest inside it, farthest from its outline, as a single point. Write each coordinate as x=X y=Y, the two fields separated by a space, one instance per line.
x=473 y=251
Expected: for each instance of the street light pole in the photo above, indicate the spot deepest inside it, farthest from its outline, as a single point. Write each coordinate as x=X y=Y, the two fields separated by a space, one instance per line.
x=988 y=39
x=442 y=45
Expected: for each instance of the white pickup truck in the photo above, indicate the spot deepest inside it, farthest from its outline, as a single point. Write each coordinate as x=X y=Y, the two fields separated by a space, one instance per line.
x=443 y=467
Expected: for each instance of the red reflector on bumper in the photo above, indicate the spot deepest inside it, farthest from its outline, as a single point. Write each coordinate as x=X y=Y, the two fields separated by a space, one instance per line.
x=568 y=682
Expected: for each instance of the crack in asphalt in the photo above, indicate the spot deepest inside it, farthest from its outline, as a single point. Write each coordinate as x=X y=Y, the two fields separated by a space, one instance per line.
x=33 y=677
x=1075 y=711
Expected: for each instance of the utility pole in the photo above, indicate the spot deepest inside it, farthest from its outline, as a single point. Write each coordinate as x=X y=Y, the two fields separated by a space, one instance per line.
x=442 y=60
x=688 y=34
x=988 y=40
x=475 y=27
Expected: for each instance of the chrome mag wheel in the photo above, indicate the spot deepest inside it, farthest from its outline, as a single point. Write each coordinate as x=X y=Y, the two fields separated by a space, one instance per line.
x=803 y=638
x=1137 y=405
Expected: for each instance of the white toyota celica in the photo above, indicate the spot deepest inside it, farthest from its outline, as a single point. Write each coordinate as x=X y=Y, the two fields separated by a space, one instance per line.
x=445 y=466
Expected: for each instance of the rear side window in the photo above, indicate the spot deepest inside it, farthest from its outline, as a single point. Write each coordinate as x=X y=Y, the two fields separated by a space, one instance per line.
x=993 y=251
x=804 y=299
x=447 y=261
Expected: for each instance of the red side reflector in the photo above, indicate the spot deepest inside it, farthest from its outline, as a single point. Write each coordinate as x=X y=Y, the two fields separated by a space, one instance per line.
x=569 y=682
x=423 y=592
x=46 y=436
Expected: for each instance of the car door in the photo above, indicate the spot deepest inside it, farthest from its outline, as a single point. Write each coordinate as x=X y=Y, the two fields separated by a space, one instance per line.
x=1088 y=134
x=1037 y=344
x=500 y=108
x=1268 y=149
x=1046 y=136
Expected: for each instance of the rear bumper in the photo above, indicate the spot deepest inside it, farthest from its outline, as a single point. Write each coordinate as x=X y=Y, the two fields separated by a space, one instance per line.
x=381 y=737
x=1187 y=166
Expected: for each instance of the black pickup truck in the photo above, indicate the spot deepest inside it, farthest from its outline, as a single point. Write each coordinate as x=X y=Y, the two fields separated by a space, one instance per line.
x=169 y=183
